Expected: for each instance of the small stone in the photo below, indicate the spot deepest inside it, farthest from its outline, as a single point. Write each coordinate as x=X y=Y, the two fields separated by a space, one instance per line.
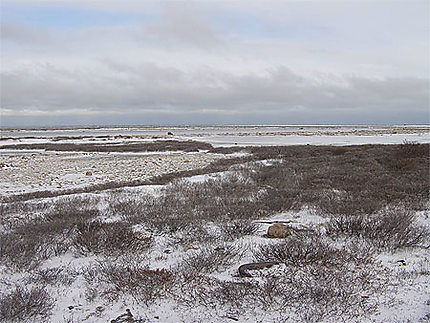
x=71 y=307
x=88 y=173
x=100 y=308
x=278 y=230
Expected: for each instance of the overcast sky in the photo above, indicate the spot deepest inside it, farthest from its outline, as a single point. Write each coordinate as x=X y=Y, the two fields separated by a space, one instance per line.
x=88 y=62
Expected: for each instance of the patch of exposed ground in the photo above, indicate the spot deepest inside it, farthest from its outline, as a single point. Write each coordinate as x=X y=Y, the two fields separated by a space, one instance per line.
x=36 y=172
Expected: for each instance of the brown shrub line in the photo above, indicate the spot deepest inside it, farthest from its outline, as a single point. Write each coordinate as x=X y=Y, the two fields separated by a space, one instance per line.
x=159 y=145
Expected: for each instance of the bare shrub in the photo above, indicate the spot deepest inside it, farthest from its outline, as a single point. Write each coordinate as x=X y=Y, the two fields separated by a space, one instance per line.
x=22 y=304
x=235 y=295
x=193 y=233
x=124 y=207
x=142 y=283
x=16 y=252
x=196 y=289
x=184 y=207
x=41 y=238
x=235 y=229
x=109 y=238
x=193 y=288
x=13 y=214
x=211 y=259
x=28 y=249
x=329 y=292
x=405 y=157
x=331 y=202
x=51 y=276
x=409 y=149
x=391 y=229
x=366 y=173
x=330 y=281
x=301 y=249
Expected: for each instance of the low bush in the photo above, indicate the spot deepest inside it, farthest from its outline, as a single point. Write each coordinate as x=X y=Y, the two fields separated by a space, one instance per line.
x=27 y=249
x=302 y=248
x=142 y=283
x=234 y=229
x=391 y=229
x=196 y=289
x=109 y=238
x=43 y=237
x=318 y=281
x=211 y=259
x=411 y=149
x=51 y=276
x=25 y=304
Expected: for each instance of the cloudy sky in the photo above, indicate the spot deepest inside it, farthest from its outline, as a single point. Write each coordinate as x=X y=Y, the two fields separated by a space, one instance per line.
x=101 y=62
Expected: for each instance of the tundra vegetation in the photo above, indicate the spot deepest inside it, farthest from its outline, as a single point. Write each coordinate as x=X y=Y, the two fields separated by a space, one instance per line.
x=183 y=244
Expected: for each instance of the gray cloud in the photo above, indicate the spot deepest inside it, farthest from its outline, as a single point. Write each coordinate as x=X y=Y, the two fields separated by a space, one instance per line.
x=25 y=36
x=182 y=24
x=190 y=65
x=120 y=89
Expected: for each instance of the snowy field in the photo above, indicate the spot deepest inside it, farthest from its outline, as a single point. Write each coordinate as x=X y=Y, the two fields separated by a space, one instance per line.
x=24 y=173
x=356 y=216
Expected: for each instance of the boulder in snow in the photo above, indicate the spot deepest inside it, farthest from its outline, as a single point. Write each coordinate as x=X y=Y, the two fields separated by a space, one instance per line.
x=278 y=230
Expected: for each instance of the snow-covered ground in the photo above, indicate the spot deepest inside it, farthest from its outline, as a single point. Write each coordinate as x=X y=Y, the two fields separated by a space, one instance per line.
x=407 y=299
x=336 y=140
x=226 y=135
x=23 y=173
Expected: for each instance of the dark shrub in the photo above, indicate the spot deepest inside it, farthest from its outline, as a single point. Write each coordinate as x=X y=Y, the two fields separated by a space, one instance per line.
x=391 y=229
x=211 y=259
x=22 y=304
x=144 y=284
x=235 y=229
x=300 y=249
x=109 y=238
